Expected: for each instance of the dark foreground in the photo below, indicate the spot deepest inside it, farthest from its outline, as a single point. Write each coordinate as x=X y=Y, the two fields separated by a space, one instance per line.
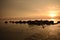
x=29 y=32
x=35 y=22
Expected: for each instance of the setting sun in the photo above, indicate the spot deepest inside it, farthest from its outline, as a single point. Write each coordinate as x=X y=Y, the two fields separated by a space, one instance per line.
x=52 y=13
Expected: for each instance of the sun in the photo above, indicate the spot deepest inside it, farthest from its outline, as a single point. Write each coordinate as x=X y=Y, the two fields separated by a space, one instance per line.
x=52 y=13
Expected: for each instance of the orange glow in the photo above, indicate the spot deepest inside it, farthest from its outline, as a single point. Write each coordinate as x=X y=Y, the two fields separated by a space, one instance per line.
x=52 y=13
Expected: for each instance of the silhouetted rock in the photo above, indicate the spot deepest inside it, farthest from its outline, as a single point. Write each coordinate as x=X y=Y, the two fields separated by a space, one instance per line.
x=17 y=22
x=40 y=22
x=58 y=22
x=6 y=22
x=20 y=22
x=11 y=21
x=51 y=22
x=35 y=22
x=24 y=22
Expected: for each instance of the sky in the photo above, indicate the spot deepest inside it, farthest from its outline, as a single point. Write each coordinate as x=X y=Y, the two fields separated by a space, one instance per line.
x=29 y=8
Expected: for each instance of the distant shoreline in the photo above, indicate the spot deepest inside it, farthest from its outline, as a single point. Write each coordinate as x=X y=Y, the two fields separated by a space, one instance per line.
x=33 y=22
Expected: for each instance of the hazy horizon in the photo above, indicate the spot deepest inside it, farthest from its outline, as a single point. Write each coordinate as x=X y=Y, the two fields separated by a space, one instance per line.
x=30 y=9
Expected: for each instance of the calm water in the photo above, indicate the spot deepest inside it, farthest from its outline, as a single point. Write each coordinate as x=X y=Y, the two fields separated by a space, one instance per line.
x=29 y=32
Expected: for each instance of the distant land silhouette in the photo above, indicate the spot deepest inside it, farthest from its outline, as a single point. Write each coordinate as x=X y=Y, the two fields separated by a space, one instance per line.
x=35 y=22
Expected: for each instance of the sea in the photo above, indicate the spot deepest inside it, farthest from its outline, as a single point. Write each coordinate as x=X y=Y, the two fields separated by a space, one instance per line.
x=14 y=31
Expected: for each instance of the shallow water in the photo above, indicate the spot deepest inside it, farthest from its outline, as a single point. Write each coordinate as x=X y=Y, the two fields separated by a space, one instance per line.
x=29 y=32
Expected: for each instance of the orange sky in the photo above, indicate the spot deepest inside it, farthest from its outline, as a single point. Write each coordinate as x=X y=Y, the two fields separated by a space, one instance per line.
x=29 y=8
